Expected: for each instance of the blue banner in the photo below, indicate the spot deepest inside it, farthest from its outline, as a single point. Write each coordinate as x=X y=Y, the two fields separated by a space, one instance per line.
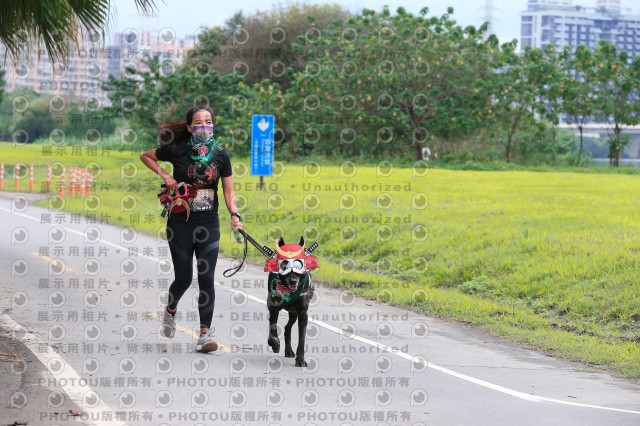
x=262 y=134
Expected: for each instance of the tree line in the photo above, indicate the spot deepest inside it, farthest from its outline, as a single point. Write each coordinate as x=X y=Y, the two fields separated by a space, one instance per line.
x=377 y=84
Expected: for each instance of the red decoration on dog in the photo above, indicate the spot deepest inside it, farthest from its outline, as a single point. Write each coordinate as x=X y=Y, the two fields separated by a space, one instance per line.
x=290 y=251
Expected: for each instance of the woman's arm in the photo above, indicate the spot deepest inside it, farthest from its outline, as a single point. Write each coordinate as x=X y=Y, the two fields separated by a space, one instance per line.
x=230 y=200
x=151 y=161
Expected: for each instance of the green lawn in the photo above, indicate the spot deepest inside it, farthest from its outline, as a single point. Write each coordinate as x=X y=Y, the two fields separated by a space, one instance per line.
x=546 y=259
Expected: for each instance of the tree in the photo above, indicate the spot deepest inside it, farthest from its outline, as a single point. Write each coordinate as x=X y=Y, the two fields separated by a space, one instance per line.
x=2 y=84
x=35 y=122
x=544 y=144
x=265 y=97
x=259 y=46
x=617 y=79
x=399 y=78
x=514 y=92
x=544 y=70
x=577 y=90
x=79 y=122
x=148 y=98
x=54 y=23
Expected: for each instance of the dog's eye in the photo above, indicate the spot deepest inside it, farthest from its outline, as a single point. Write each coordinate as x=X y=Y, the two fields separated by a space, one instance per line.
x=297 y=264
x=284 y=265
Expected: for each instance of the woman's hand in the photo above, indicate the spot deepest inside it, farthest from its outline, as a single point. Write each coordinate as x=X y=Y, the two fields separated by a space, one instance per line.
x=235 y=223
x=150 y=160
x=171 y=183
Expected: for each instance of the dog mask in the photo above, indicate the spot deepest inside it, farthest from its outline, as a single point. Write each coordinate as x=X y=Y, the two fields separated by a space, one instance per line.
x=179 y=201
x=290 y=268
x=284 y=262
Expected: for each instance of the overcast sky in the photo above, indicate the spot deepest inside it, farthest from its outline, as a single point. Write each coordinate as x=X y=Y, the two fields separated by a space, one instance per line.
x=186 y=16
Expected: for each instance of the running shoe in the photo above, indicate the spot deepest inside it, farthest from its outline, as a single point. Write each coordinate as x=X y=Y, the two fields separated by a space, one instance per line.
x=206 y=342
x=168 y=325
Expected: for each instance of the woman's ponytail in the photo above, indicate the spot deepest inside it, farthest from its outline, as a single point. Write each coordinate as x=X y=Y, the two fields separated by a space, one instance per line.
x=173 y=131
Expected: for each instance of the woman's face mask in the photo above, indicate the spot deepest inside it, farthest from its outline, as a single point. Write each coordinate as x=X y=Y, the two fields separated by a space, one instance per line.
x=202 y=134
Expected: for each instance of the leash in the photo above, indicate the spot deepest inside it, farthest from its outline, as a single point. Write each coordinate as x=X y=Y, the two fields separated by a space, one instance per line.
x=266 y=251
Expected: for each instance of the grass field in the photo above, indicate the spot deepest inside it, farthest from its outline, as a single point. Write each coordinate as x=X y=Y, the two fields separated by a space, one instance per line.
x=546 y=259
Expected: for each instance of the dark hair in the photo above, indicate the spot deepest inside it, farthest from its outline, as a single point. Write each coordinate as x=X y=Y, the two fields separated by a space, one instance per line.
x=176 y=130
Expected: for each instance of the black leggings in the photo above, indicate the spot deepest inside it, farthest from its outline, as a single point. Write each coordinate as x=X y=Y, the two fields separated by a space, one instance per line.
x=184 y=238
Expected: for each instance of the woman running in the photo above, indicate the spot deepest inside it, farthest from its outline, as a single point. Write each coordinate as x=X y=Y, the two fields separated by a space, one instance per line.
x=199 y=163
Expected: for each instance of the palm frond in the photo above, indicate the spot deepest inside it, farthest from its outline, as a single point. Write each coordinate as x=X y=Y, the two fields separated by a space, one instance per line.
x=53 y=24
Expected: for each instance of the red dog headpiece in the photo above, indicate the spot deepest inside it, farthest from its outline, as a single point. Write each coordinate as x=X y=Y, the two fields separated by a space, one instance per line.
x=290 y=251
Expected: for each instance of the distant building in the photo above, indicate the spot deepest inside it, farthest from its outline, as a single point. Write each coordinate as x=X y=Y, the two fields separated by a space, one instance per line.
x=561 y=23
x=76 y=80
x=131 y=49
x=93 y=62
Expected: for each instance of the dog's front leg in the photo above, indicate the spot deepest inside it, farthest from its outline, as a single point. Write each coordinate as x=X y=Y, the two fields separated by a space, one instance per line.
x=273 y=340
x=288 y=350
x=302 y=332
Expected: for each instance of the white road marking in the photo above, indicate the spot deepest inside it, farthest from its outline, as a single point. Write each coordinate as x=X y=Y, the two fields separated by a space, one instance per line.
x=68 y=378
x=411 y=358
x=406 y=356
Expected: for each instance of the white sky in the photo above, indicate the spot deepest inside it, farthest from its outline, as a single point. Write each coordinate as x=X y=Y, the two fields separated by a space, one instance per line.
x=186 y=16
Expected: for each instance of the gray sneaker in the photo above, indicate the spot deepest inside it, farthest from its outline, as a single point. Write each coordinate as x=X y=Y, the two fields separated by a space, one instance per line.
x=206 y=342
x=168 y=325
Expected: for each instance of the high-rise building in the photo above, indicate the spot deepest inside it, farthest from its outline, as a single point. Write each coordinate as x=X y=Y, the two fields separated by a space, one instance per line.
x=130 y=50
x=549 y=3
x=79 y=79
x=93 y=62
x=561 y=23
x=612 y=6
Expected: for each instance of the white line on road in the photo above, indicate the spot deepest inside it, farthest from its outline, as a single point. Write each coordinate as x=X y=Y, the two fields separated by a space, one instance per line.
x=411 y=358
x=68 y=379
x=406 y=356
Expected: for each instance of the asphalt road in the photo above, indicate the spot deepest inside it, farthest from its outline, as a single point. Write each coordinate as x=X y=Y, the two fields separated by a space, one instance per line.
x=79 y=334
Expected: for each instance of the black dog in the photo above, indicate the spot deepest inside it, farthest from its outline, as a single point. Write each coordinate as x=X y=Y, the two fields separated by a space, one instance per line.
x=290 y=288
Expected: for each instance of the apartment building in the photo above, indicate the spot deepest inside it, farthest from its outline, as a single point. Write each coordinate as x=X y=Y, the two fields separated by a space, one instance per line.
x=560 y=22
x=92 y=62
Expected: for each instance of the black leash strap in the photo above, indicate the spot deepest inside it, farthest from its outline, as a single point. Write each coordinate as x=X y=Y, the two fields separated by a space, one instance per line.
x=266 y=251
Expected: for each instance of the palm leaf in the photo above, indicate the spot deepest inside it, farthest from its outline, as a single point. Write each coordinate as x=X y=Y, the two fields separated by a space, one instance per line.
x=53 y=24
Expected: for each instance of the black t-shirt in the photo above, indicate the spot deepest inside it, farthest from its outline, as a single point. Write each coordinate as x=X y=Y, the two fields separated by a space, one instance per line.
x=178 y=154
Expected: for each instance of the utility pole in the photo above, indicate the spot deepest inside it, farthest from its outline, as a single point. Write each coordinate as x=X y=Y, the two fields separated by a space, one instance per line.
x=488 y=15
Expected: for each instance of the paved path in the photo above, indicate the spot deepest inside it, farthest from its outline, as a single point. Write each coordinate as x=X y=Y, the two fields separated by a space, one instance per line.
x=79 y=332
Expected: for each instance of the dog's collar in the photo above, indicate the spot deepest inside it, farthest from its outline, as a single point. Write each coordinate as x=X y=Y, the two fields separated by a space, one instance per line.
x=287 y=298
